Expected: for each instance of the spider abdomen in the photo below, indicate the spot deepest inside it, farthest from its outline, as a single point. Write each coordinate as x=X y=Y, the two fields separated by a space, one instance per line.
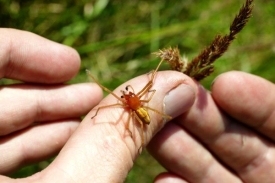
x=143 y=115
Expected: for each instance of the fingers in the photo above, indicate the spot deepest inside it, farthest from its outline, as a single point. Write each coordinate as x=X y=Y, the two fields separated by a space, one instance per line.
x=168 y=178
x=241 y=149
x=21 y=105
x=102 y=149
x=251 y=100
x=184 y=156
x=34 y=144
x=165 y=100
x=31 y=58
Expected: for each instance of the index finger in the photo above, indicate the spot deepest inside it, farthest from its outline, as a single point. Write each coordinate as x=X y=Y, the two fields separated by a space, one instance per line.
x=31 y=58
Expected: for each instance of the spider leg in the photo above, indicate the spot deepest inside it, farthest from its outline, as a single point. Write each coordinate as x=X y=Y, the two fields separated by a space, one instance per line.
x=145 y=89
x=151 y=96
x=129 y=86
x=141 y=133
x=150 y=82
x=156 y=111
x=102 y=107
x=103 y=87
x=155 y=71
x=128 y=122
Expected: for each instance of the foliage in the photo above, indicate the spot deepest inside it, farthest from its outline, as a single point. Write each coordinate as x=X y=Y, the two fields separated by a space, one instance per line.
x=116 y=38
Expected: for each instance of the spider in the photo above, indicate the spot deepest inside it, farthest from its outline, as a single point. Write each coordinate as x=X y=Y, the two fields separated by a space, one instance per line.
x=134 y=103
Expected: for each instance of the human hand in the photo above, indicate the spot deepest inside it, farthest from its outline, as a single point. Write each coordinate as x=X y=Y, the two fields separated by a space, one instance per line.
x=100 y=150
x=55 y=108
x=227 y=135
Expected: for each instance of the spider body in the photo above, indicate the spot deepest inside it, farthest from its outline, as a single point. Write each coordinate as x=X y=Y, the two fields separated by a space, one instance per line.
x=132 y=100
x=134 y=103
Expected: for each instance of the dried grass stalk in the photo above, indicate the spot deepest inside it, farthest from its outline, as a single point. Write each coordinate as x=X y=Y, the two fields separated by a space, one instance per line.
x=202 y=65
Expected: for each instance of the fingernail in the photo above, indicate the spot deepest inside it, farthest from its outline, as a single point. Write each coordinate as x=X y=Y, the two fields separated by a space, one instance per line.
x=179 y=100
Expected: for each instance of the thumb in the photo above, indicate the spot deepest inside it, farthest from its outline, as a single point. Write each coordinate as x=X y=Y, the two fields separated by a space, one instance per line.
x=102 y=149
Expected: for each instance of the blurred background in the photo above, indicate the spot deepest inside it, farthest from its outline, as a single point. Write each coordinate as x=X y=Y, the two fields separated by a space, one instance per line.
x=115 y=40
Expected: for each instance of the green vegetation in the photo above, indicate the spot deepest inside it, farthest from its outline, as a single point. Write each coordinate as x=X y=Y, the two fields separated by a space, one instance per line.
x=116 y=38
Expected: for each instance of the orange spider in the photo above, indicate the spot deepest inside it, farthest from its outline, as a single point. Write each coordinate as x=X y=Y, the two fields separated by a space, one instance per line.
x=134 y=103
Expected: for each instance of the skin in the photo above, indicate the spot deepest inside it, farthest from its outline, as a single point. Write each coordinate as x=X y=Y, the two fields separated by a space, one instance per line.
x=225 y=135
